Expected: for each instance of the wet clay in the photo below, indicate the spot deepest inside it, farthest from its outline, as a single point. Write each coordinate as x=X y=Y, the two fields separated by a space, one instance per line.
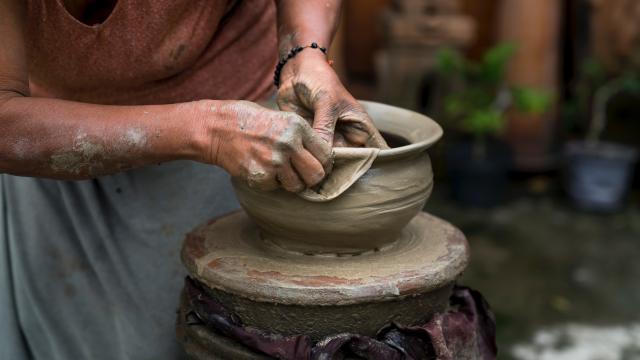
x=362 y=209
x=271 y=288
x=349 y=164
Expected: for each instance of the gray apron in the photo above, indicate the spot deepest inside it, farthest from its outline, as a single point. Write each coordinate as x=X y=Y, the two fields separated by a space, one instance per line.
x=91 y=269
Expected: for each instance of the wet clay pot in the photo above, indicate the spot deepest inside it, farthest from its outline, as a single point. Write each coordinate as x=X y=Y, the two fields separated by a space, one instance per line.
x=371 y=213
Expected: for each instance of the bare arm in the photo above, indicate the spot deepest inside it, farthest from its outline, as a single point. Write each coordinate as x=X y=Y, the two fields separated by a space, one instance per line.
x=304 y=22
x=70 y=140
x=309 y=86
x=67 y=140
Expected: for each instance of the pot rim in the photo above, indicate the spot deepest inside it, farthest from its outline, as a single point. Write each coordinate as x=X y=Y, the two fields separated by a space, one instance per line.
x=601 y=149
x=423 y=137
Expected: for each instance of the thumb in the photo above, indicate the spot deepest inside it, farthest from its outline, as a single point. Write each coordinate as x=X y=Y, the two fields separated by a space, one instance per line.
x=324 y=120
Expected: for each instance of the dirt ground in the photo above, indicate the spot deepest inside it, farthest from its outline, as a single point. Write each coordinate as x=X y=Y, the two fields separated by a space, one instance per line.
x=562 y=283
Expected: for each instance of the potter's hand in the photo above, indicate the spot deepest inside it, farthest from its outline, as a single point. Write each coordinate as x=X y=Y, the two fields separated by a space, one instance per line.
x=266 y=147
x=310 y=88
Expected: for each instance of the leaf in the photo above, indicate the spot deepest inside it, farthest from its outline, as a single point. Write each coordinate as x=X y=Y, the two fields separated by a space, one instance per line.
x=483 y=122
x=494 y=62
x=592 y=69
x=449 y=61
x=631 y=84
x=453 y=107
x=531 y=100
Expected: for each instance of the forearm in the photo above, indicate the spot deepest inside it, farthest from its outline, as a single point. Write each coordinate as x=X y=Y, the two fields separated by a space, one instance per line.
x=68 y=140
x=303 y=22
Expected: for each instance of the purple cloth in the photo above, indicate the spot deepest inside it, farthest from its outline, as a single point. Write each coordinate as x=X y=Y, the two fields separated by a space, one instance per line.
x=467 y=331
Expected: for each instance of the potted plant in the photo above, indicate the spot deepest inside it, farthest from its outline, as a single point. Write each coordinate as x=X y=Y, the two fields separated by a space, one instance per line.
x=474 y=105
x=599 y=173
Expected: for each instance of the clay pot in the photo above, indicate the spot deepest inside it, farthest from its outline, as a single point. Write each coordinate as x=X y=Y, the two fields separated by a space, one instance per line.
x=372 y=212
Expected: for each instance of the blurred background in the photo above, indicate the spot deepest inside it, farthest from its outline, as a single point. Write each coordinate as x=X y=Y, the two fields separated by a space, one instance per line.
x=538 y=99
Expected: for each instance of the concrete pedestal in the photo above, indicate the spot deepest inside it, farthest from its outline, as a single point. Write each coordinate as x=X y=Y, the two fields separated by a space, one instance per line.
x=288 y=293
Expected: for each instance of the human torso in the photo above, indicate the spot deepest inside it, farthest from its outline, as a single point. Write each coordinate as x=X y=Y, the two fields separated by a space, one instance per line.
x=144 y=51
x=90 y=269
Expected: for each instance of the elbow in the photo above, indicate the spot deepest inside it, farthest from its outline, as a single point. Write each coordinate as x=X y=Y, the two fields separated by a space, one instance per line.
x=10 y=91
x=6 y=98
x=7 y=95
x=11 y=88
x=9 y=150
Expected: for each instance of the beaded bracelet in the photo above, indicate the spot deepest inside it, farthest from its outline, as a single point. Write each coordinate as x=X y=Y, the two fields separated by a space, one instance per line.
x=292 y=53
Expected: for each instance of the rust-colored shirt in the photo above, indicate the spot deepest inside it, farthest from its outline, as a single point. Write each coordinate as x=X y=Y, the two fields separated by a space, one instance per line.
x=91 y=269
x=153 y=51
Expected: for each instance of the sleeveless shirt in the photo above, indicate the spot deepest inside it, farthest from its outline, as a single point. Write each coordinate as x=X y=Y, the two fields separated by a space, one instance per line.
x=153 y=51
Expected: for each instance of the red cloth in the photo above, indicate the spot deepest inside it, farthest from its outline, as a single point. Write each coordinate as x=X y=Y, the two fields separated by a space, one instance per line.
x=153 y=51
x=466 y=331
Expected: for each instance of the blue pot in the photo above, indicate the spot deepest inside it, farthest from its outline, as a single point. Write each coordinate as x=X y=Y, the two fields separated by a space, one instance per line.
x=478 y=182
x=598 y=176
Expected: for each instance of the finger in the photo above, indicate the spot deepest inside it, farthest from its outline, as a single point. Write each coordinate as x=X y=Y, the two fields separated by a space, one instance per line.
x=376 y=140
x=362 y=138
x=354 y=135
x=357 y=127
x=339 y=140
x=308 y=167
x=288 y=101
x=318 y=147
x=262 y=180
x=358 y=137
x=289 y=179
x=325 y=118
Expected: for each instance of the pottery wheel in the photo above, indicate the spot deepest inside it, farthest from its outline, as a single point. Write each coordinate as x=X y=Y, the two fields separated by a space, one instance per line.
x=273 y=289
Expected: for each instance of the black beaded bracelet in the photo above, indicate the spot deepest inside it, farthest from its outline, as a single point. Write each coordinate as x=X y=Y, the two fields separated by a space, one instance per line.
x=292 y=53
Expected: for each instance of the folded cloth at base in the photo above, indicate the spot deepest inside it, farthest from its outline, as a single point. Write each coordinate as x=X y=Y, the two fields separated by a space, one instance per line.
x=465 y=332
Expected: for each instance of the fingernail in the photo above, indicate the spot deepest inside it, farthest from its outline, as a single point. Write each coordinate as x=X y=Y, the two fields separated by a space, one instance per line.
x=317 y=178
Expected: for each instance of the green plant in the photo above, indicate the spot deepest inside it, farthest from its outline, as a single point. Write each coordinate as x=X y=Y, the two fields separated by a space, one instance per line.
x=577 y=106
x=591 y=93
x=477 y=102
x=628 y=82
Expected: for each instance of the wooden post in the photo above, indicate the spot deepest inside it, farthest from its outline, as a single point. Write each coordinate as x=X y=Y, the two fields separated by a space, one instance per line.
x=534 y=26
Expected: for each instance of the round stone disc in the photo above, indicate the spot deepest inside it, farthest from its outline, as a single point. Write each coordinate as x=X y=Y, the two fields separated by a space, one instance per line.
x=228 y=254
x=279 y=291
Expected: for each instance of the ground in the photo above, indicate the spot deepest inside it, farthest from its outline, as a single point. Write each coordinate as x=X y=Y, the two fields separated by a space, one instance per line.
x=563 y=284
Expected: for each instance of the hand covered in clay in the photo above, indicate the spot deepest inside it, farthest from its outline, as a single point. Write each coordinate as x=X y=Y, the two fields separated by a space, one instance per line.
x=268 y=148
x=311 y=88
